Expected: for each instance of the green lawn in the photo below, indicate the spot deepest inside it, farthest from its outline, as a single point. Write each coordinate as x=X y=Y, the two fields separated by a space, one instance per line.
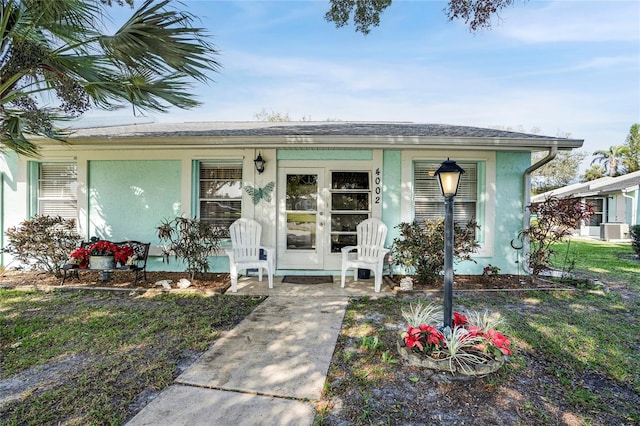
x=86 y=358
x=577 y=355
x=594 y=259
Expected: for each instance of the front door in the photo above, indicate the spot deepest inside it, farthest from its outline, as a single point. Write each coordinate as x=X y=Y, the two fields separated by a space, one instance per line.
x=319 y=209
x=301 y=218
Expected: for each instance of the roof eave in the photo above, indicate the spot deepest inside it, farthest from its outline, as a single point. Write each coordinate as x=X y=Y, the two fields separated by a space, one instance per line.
x=325 y=141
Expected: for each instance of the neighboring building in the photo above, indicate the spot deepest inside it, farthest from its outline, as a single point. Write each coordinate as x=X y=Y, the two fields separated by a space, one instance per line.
x=320 y=180
x=615 y=201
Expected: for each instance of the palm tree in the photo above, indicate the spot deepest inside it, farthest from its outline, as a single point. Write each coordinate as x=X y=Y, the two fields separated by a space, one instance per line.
x=610 y=159
x=631 y=158
x=56 y=50
x=596 y=171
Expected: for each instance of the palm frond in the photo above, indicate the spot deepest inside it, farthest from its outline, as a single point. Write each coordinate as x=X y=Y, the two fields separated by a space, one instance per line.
x=162 y=40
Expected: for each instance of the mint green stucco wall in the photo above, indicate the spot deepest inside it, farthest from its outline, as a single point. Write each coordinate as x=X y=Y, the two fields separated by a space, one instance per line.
x=12 y=205
x=629 y=207
x=325 y=154
x=510 y=167
x=391 y=192
x=128 y=199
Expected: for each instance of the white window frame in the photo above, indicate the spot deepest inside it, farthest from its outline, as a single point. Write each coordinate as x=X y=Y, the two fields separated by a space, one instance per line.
x=333 y=211
x=467 y=191
x=63 y=190
x=225 y=163
x=485 y=203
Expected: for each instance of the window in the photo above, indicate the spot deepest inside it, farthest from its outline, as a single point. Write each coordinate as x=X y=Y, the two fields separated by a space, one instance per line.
x=350 y=205
x=598 y=206
x=57 y=190
x=428 y=199
x=220 y=193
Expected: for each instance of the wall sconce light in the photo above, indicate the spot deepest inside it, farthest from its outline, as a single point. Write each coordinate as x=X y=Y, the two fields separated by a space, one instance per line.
x=259 y=162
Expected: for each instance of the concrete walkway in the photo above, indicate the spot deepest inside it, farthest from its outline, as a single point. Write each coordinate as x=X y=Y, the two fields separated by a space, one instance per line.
x=268 y=370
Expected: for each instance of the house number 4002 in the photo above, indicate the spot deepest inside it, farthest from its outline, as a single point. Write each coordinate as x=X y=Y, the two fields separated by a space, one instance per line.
x=378 y=186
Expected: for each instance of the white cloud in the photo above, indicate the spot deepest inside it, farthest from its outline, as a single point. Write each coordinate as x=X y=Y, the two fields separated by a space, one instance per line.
x=572 y=21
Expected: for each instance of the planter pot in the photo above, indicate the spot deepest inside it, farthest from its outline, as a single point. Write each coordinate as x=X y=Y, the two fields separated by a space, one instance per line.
x=364 y=274
x=102 y=262
x=447 y=365
x=406 y=284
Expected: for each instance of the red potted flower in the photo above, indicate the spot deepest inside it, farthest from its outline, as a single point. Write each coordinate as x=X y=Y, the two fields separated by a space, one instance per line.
x=80 y=257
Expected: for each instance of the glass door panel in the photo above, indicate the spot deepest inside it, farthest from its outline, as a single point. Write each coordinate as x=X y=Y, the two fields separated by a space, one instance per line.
x=301 y=231
x=301 y=219
x=350 y=205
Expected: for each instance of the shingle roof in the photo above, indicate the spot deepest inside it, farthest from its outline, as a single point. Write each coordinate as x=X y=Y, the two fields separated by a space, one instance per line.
x=341 y=133
x=605 y=185
x=259 y=128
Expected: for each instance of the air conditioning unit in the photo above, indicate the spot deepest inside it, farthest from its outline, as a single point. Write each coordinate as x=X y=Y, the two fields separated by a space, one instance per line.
x=613 y=231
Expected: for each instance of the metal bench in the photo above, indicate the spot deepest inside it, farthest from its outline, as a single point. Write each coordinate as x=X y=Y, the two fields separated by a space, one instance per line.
x=140 y=250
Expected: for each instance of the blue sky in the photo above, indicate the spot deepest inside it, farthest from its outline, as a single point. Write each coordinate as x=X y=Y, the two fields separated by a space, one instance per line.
x=558 y=66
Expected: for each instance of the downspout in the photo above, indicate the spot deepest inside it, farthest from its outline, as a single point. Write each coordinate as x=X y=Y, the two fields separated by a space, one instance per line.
x=526 y=216
x=634 y=204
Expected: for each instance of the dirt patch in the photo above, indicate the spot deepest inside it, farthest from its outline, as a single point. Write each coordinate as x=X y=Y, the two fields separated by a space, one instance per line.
x=487 y=282
x=208 y=282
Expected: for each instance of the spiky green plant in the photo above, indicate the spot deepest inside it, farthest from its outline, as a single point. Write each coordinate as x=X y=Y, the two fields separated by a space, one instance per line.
x=484 y=320
x=420 y=313
x=459 y=349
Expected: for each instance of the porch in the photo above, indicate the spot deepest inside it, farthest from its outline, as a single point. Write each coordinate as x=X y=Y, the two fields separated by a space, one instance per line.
x=250 y=286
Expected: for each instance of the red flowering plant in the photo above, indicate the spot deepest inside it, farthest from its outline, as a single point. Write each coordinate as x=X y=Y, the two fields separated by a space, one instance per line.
x=103 y=248
x=80 y=257
x=472 y=339
x=123 y=253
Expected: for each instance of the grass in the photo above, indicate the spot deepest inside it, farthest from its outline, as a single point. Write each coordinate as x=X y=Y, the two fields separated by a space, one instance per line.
x=596 y=258
x=577 y=353
x=101 y=352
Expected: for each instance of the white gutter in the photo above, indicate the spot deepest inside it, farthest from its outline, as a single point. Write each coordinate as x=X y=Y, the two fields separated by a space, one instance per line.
x=526 y=217
x=634 y=203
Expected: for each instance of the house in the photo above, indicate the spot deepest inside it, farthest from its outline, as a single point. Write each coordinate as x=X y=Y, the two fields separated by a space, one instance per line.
x=320 y=179
x=615 y=201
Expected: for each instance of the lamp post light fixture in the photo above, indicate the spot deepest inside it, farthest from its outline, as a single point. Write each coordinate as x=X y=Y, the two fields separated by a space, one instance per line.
x=449 y=178
x=259 y=162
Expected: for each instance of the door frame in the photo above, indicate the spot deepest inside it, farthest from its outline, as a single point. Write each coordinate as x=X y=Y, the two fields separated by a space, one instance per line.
x=301 y=259
x=331 y=261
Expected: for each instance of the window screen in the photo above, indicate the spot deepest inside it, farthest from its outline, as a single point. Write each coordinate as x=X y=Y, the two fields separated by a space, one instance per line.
x=57 y=190
x=220 y=193
x=428 y=199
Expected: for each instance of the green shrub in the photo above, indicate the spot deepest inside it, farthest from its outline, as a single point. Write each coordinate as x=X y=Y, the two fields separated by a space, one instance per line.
x=635 y=238
x=191 y=240
x=421 y=247
x=44 y=242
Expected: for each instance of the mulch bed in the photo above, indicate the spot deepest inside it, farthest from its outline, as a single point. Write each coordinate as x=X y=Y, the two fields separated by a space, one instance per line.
x=219 y=282
x=484 y=282
x=210 y=282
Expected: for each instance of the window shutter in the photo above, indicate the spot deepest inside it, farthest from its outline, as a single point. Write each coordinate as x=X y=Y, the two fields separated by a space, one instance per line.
x=57 y=190
x=220 y=193
x=428 y=199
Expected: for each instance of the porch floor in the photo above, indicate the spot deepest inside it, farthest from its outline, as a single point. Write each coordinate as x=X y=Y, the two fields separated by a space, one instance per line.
x=249 y=285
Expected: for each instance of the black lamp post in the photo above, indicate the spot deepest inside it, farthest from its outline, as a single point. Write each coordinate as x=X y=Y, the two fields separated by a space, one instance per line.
x=259 y=162
x=449 y=178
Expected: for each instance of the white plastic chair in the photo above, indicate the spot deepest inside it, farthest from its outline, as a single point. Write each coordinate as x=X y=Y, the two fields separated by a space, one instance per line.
x=245 y=251
x=371 y=235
